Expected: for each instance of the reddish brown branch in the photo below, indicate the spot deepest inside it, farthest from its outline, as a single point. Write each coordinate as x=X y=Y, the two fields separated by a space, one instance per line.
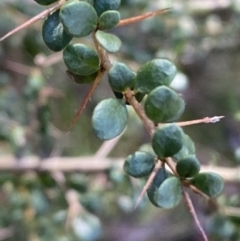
x=149 y=181
x=141 y=17
x=149 y=125
x=87 y=98
x=34 y=19
x=205 y=120
x=192 y=211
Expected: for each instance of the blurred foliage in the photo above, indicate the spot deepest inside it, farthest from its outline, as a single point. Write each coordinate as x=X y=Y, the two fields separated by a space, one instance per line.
x=37 y=104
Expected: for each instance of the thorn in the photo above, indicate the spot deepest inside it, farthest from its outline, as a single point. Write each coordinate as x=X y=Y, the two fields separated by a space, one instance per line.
x=148 y=183
x=215 y=119
x=141 y=17
x=86 y=99
x=32 y=20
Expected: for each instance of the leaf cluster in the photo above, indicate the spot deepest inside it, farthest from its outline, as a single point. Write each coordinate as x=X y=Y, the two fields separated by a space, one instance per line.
x=148 y=90
x=151 y=83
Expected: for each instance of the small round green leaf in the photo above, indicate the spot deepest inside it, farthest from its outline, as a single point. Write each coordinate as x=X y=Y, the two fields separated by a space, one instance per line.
x=155 y=73
x=188 y=167
x=164 y=105
x=108 y=20
x=54 y=35
x=167 y=140
x=160 y=177
x=209 y=183
x=121 y=77
x=80 y=59
x=78 y=18
x=188 y=148
x=169 y=194
x=105 y=5
x=109 y=118
x=81 y=79
x=45 y=2
x=108 y=41
x=139 y=164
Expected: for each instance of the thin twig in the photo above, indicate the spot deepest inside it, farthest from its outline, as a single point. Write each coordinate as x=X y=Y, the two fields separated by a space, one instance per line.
x=149 y=181
x=199 y=121
x=103 y=55
x=195 y=189
x=141 y=17
x=74 y=207
x=149 y=125
x=43 y=61
x=169 y=161
x=34 y=19
x=87 y=98
x=192 y=211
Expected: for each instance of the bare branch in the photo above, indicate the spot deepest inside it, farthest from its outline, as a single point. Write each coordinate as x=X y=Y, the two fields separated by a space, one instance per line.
x=91 y=164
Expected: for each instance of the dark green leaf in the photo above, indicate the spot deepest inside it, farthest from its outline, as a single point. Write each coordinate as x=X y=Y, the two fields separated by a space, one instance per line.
x=155 y=73
x=108 y=41
x=121 y=77
x=167 y=140
x=77 y=181
x=210 y=183
x=139 y=164
x=80 y=59
x=104 y=5
x=108 y=20
x=45 y=2
x=169 y=194
x=78 y=18
x=188 y=148
x=139 y=96
x=81 y=79
x=109 y=118
x=160 y=177
x=118 y=95
x=188 y=167
x=164 y=105
x=54 y=35
x=44 y=118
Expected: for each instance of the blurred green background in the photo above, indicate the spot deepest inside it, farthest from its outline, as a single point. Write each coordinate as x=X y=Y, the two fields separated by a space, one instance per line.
x=38 y=101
